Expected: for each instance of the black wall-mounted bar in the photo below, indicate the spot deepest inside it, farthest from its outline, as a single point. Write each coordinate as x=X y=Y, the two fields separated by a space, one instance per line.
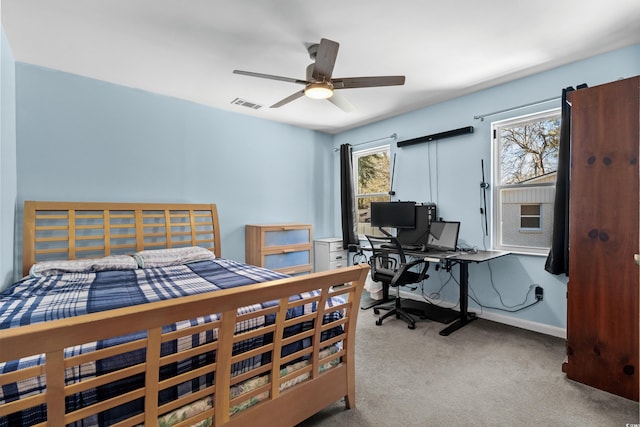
x=435 y=136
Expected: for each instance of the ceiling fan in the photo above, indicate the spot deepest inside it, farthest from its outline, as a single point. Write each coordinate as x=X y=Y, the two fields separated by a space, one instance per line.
x=319 y=84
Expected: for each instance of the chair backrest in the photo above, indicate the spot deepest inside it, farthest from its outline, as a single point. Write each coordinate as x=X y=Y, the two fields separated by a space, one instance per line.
x=389 y=265
x=383 y=245
x=384 y=266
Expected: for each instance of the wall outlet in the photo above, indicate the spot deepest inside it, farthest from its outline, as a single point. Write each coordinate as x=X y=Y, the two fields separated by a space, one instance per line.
x=539 y=293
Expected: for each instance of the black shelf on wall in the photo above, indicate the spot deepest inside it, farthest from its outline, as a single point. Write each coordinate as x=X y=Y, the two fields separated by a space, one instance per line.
x=428 y=138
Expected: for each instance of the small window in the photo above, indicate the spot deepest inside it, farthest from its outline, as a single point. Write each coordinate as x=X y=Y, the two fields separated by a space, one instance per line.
x=372 y=181
x=530 y=217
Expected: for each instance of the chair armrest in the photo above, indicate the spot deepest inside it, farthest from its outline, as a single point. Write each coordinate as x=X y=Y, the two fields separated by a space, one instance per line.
x=416 y=262
x=403 y=268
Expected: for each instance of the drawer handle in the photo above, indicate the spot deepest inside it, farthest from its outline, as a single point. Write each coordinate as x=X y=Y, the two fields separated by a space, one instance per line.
x=339 y=257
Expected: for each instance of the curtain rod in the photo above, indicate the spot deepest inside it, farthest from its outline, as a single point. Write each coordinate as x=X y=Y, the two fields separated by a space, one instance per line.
x=392 y=136
x=482 y=116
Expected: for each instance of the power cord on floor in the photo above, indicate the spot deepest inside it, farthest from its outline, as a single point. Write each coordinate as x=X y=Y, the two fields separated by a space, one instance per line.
x=505 y=307
x=436 y=295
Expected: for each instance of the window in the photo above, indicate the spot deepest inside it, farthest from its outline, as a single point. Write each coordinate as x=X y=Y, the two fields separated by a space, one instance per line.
x=525 y=165
x=372 y=182
x=530 y=217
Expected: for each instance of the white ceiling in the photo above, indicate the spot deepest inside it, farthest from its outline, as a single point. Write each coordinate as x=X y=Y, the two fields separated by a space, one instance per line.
x=188 y=49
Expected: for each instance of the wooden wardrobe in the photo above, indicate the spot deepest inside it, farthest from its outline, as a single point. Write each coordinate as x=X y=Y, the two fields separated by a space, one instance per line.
x=602 y=292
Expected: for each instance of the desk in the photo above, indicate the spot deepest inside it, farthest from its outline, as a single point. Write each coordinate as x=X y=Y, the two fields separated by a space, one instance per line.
x=463 y=259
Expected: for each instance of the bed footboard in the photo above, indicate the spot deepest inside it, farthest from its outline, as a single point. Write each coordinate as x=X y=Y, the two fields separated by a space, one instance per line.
x=298 y=365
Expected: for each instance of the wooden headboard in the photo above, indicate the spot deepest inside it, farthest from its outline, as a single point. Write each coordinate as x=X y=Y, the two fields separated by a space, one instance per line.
x=72 y=230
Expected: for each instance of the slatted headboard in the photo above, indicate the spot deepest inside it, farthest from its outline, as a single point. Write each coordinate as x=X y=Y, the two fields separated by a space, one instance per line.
x=72 y=230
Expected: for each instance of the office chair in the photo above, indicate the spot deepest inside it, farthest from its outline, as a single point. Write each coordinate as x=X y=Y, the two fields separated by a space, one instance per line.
x=389 y=266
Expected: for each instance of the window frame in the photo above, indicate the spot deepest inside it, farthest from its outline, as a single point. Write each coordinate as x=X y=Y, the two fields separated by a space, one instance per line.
x=355 y=156
x=497 y=216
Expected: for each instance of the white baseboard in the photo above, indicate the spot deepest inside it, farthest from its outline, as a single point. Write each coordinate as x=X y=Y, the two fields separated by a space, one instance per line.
x=525 y=324
x=501 y=318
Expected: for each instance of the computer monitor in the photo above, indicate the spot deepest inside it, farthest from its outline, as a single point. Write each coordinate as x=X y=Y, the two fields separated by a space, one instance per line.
x=443 y=235
x=393 y=214
x=425 y=213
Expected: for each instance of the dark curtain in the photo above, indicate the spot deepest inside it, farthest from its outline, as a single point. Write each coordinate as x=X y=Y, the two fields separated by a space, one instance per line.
x=558 y=258
x=347 y=198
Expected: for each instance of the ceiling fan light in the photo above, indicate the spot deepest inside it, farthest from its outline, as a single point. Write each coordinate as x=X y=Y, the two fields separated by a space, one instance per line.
x=320 y=90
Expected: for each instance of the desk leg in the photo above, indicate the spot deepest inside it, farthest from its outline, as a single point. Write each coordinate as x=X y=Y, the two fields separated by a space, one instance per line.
x=465 y=316
x=385 y=298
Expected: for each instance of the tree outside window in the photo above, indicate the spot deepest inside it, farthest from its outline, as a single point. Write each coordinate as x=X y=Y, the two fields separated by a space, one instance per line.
x=372 y=177
x=525 y=164
x=528 y=149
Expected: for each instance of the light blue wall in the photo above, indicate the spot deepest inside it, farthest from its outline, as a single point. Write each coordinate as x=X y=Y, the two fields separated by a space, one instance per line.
x=452 y=179
x=8 y=177
x=81 y=139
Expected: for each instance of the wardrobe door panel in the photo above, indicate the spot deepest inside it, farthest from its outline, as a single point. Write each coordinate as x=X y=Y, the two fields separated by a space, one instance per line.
x=602 y=306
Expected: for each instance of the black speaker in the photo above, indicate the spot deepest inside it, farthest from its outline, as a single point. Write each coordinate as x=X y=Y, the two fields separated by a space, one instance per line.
x=435 y=136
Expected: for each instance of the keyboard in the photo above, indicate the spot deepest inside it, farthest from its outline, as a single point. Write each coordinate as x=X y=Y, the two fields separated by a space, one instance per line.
x=411 y=247
x=404 y=247
x=442 y=254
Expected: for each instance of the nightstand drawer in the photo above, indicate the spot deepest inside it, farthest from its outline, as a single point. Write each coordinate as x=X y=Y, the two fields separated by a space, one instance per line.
x=337 y=256
x=336 y=246
x=338 y=264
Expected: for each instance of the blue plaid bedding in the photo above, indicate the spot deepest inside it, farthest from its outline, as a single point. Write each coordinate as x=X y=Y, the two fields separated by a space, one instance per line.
x=34 y=300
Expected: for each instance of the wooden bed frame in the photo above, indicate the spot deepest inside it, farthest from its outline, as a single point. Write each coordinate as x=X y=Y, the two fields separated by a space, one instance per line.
x=73 y=230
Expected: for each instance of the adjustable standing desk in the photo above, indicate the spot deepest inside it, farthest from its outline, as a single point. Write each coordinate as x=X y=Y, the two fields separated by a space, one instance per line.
x=463 y=259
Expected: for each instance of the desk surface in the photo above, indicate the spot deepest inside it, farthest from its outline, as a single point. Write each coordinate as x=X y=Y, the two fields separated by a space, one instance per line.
x=479 y=256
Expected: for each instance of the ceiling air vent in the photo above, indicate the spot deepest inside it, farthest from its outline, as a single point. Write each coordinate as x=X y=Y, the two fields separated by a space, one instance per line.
x=245 y=103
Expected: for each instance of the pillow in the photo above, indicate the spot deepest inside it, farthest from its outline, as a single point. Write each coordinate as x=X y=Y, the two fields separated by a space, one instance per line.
x=173 y=256
x=88 y=265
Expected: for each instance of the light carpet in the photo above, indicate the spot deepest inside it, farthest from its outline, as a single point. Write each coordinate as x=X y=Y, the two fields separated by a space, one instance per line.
x=485 y=374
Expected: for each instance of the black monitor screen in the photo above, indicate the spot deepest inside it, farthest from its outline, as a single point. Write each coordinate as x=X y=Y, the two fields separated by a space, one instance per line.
x=393 y=214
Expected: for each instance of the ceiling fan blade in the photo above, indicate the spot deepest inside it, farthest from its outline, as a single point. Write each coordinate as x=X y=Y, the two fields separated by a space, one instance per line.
x=325 y=59
x=288 y=99
x=341 y=102
x=269 y=76
x=355 y=82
